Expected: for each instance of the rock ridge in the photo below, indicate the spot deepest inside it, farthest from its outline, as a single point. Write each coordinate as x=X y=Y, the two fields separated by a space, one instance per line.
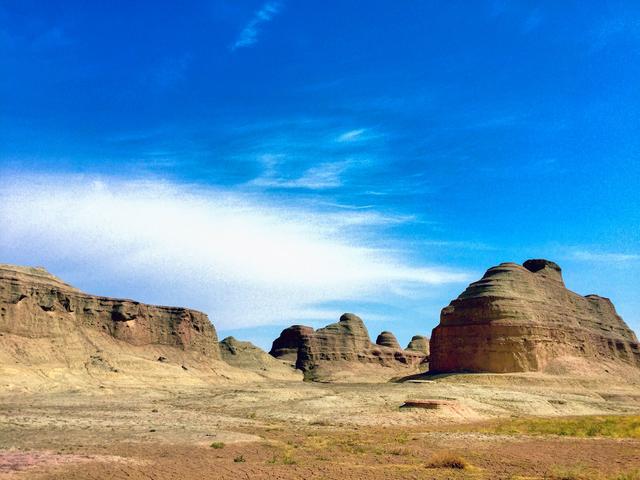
x=35 y=303
x=341 y=347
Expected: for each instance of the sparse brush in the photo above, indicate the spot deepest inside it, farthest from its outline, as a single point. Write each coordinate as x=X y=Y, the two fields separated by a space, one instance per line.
x=581 y=473
x=217 y=445
x=634 y=475
x=447 y=460
x=613 y=426
x=570 y=475
x=287 y=459
x=239 y=459
x=398 y=451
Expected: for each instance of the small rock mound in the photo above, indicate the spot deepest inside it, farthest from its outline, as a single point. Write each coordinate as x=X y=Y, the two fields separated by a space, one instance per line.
x=247 y=356
x=388 y=339
x=419 y=343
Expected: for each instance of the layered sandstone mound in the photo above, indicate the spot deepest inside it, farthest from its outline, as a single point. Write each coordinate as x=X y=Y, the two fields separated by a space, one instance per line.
x=53 y=334
x=247 y=356
x=343 y=351
x=419 y=343
x=388 y=339
x=523 y=318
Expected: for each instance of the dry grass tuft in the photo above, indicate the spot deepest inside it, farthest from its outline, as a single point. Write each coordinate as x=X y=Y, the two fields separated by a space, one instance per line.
x=447 y=460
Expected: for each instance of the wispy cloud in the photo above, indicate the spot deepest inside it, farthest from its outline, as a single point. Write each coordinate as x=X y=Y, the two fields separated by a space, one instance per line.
x=319 y=177
x=608 y=257
x=351 y=135
x=249 y=34
x=243 y=258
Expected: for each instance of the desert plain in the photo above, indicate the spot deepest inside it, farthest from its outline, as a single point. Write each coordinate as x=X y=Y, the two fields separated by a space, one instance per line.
x=497 y=424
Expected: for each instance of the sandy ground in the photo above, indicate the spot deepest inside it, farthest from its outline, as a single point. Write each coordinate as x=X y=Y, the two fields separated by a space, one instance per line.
x=306 y=430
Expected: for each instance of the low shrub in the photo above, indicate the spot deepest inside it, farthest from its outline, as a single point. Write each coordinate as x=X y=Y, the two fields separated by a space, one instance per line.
x=447 y=460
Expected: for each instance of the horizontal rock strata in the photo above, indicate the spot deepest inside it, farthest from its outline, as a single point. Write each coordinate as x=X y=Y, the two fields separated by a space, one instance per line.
x=388 y=339
x=521 y=318
x=341 y=346
x=34 y=303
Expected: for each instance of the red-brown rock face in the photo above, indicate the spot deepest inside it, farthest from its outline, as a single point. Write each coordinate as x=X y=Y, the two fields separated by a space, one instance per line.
x=35 y=304
x=520 y=318
x=341 y=346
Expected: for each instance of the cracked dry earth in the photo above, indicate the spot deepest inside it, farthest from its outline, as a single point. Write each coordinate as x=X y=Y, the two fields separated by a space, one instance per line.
x=299 y=430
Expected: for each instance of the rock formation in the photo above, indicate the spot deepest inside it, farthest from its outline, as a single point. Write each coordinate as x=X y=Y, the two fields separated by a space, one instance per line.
x=35 y=303
x=247 y=356
x=420 y=344
x=52 y=335
x=388 y=339
x=523 y=318
x=343 y=350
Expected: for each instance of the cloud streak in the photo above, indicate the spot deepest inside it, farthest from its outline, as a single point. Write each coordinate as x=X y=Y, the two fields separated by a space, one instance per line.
x=319 y=177
x=608 y=257
x=242 y=258
x=249 y=34
x=351 y=135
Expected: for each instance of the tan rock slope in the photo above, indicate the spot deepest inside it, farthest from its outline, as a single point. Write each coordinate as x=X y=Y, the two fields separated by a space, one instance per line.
x=343 y=351
x=419 y=343
x=247 y=356
x=52 y=334
x=522 y=318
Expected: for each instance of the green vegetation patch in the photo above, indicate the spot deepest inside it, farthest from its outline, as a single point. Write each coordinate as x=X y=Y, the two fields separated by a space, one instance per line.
x=611 y=426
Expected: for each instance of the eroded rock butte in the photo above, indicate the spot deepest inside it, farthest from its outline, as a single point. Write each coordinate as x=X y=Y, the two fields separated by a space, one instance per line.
x=344 y=349
x=522 y=318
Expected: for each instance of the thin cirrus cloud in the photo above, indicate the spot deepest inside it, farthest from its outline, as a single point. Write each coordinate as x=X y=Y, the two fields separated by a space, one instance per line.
x=319 y=177
x=243 y=258
x=351 y=135
x=249 y=34
x=608 y=257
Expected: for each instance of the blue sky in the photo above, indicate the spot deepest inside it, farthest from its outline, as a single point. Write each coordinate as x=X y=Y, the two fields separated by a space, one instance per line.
x=281 y=162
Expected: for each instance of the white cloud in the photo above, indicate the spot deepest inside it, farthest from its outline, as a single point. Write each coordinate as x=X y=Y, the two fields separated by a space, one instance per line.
x=249 y=34
x=590 y=256
x=240 y=257
x=351 y=135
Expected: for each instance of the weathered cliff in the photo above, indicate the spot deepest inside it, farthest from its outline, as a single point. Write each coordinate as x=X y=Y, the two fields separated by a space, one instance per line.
x=52 y=335
x=34 y=303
